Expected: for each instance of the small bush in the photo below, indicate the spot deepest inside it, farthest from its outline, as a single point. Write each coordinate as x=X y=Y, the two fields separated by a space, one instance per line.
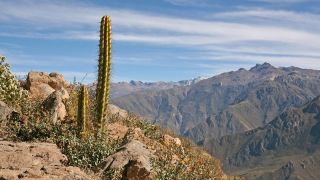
x=10 y=91
x=38 y=131
x=85 y=153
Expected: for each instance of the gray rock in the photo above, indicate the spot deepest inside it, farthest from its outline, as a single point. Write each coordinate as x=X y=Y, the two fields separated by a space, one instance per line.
x=35 y=161
x=55 y=106
x=5 y=112
x=134 y=158
x=41 y=85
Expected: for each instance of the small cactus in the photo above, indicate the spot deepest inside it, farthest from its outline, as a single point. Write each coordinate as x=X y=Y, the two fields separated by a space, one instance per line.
x=83 y=111
x=104 y=72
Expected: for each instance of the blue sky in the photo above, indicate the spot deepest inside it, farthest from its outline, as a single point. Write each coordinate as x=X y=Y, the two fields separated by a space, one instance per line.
x=159 y=39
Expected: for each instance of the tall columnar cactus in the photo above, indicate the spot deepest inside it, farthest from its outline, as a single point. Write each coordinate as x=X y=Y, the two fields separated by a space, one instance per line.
x=83 y=111
x=104 y=71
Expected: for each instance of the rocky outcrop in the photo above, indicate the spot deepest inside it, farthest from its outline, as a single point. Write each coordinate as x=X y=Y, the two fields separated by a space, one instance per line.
x=35 y=161
x=115 y=110
x=41 y=85
x=168 y=140
x=55 y=106
x=5 y=114
x=134 y=158
x=116 y=131
x=5 y=111
x=52 y=90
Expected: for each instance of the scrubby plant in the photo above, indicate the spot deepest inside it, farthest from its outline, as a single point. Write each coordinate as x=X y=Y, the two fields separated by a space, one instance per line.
x=42 y=131
x=104 y=72
x=37 y=125
x=83 y=111
x=85 y=153
x=10 y=90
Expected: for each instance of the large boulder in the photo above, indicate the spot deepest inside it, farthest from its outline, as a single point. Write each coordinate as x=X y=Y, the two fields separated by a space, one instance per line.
x=115 y=110
x=169 y=140
x=55 y=106
x=5 y=111
x=41 y=85
x=116 y=131
x=35 y=161
x=134 y=158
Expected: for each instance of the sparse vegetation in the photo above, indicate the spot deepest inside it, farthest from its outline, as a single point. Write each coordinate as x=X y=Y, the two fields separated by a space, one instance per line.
x=172 y=161
x=185 y=161
x=85 y=153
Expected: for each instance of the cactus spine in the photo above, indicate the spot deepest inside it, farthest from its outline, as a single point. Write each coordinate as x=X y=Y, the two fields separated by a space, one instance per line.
x=83 y=111
x=104 y=72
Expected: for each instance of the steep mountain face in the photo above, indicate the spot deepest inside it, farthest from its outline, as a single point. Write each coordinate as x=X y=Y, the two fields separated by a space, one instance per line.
x=286 y=148
x=226 y=104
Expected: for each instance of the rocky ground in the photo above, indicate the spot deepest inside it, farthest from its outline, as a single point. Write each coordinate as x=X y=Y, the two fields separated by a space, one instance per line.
x=21 y=160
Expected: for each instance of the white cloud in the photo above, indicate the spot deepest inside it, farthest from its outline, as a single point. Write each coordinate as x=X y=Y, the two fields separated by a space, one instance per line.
x=284 y=18
x=288 y=36
x=51 y=14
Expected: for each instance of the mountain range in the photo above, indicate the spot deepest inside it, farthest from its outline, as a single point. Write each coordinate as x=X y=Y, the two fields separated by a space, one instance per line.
x=228 y=103
x=262 y=123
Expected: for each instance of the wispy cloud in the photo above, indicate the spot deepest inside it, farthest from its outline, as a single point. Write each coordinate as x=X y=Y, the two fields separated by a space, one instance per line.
x=216 y=31
x=284 y=18
x=243 y=35
x=189 y=2
x=281 y=1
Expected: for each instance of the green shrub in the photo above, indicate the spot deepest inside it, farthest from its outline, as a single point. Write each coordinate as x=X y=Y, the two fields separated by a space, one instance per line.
x=10 y=91
x=43 y=131
x=38 y=131
x=85 y=153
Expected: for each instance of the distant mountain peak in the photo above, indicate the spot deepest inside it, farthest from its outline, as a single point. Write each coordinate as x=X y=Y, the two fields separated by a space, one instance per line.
x=242 y=69
x=261 y=67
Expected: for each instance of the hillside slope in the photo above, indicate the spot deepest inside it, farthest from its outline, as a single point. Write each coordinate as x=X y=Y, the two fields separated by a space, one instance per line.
x=129 y=148
x=229 y=103
x=286 y=148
